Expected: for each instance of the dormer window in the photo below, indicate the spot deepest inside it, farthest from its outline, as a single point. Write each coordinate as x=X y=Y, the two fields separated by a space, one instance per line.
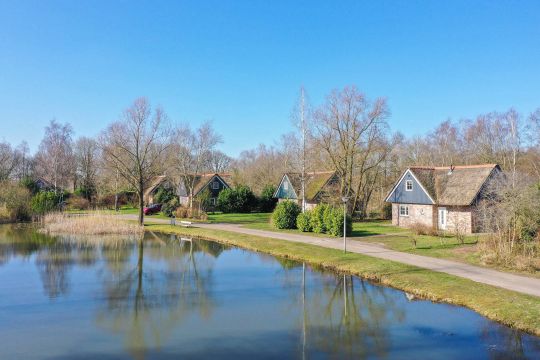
x=408 y=185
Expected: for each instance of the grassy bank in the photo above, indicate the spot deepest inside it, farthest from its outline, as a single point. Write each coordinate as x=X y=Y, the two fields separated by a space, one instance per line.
x=511 y=308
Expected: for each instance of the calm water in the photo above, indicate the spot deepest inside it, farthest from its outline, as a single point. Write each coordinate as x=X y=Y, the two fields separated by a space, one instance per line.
x=168 y=298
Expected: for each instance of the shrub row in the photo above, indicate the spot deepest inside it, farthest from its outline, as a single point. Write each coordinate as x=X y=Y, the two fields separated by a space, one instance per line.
x=242 y=200
x=323 y=219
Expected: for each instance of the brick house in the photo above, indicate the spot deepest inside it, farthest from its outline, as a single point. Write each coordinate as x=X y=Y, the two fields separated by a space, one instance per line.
x=443 y=198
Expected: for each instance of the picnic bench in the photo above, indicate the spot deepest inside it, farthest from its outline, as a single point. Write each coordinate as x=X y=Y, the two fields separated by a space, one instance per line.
x=185 y=223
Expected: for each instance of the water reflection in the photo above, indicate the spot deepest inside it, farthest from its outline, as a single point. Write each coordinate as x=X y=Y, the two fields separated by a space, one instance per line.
x=199 y=298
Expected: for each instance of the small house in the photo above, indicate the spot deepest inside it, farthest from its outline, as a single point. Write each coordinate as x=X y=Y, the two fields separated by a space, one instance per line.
x=320 y=187
x=213 y=183
x=442 y=198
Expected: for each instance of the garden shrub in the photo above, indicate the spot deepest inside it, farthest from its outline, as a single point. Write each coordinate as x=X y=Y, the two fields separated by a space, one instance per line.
x=182 y=212
x=15 y=198
x=164 y=195
x=169 y=208
x=317 y=218
x=303 y=221
x=267 y=202
x=285 y=214
x=335 y=226
x=45 y=201
x=78 y=203
x=387 y=211
x=238 y=200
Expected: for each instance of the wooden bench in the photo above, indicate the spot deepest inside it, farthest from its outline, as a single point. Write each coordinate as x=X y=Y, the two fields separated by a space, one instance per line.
x=185 y=223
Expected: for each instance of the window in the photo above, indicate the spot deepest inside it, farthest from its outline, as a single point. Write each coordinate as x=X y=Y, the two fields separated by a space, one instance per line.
x=408 y=185
x=213 y=201
x=215 y=185
x=286 y=186
x=403 y=210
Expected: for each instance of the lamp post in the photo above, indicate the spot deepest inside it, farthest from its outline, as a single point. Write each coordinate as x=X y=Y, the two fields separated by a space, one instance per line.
x=345 y=199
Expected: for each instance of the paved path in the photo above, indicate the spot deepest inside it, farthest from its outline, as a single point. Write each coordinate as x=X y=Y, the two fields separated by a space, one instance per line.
x=522 y=284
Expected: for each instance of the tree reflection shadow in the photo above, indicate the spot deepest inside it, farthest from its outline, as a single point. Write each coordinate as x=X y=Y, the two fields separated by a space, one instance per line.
x=146 y=303
x=347 y=317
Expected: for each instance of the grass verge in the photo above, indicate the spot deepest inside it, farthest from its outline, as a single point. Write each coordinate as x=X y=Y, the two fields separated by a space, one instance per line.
x=517 y=310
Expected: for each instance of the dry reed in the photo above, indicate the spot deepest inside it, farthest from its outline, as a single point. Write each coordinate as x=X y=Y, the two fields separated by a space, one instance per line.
x=90 y=224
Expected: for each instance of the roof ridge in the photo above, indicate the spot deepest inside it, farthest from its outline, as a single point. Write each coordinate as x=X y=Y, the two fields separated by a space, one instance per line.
x=476 y=166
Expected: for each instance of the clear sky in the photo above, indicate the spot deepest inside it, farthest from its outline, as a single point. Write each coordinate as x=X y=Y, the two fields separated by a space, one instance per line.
x=241 y=63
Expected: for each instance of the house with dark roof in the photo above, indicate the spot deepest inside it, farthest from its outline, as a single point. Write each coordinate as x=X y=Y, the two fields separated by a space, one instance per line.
x=320 y=187
x=443 y=198
x=155 y=185
x=214 y=183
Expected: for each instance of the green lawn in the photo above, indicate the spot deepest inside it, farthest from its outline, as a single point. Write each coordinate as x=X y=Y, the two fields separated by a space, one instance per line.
x=512 y=308
x=251 y=218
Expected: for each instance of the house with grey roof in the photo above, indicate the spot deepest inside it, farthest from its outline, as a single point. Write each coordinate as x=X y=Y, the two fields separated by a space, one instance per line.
x=443 y=198
x=320 y=187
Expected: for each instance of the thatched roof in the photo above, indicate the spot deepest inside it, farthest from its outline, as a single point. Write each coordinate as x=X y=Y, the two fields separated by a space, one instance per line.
x=456 y=186
x=315 y=182
x=202 y=180
x=154 y=184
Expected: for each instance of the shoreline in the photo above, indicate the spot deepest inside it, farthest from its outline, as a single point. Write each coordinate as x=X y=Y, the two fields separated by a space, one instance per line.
x=518 y=311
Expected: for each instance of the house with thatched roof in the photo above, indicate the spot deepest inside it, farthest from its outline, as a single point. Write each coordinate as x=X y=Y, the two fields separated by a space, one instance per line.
x=443 y=198
x=320 y=187
x=214 y=183
x=152 y=189
x=211 y=184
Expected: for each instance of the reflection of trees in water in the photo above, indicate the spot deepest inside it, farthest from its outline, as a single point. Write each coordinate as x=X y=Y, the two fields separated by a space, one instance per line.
x=346 y=317
x=507 y=343
x=145 y=302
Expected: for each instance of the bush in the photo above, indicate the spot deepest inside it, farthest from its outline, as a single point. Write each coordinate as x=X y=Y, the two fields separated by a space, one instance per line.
x=86 y=192
x=267 y=202
x=387 y=211
x=15 y=198
x=285 y=214
x=237 y=200
x=317 y=219
x=44 y=202
x=169 y=208
x=422 y=229
x=303 y=221
x=164 y=195
x=78 y=203
x=334 y=226
x=182 y=212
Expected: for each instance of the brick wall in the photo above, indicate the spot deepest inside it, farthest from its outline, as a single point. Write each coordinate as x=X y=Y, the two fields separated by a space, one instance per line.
x=459 y=217
x=422 y=214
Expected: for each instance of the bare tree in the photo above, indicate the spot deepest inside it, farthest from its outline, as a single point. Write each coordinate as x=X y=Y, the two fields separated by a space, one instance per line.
x=219 y=161
x=87 y=163
x=353 y=132
x=136 y=146
x=54 y=159
x=192 y=152
x=8 y=160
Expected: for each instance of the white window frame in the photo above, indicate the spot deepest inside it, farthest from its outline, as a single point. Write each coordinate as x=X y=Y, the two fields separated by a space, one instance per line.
x=286 y=185
x=213 y=201
x=405 y=209
x=215 y=185
x=407 y=183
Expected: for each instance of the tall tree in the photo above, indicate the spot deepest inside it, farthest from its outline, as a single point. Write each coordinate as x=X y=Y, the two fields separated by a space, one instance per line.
x=353 y=132
x=54 y=159
x=87 y=162
x=8 y=160
x=192 y=153
x=136 y=146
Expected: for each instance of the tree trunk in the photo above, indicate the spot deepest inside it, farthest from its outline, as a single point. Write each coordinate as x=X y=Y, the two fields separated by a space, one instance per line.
x=141 y=204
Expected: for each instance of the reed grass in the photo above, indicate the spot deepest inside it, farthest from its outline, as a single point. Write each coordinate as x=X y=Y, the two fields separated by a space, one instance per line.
x=91 y=224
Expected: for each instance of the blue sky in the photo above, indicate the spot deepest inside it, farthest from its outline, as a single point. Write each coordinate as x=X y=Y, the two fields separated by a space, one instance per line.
x=241 y=63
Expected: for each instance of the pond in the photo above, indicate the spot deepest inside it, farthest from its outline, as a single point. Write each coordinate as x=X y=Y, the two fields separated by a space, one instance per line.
x=168 y=297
